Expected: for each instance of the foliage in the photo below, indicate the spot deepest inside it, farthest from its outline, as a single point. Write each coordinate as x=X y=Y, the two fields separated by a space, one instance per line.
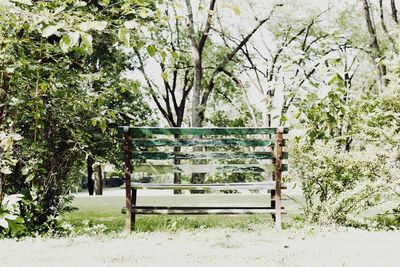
x=11 y=223
x=344 y=173
x=62 y=92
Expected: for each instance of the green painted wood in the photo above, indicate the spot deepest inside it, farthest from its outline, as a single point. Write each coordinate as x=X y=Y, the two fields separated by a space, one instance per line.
x=203 y=155
x=217 y=187
x=230 y=168
x=202 y=142
x=148 y=131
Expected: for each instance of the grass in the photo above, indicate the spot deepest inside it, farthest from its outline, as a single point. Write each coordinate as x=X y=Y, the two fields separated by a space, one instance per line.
x=214 y=247
x=211 y=240
x=106 y=210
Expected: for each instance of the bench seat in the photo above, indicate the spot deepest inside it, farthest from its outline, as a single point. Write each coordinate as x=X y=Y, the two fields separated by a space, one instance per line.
x=201 y=210
x=220 y=186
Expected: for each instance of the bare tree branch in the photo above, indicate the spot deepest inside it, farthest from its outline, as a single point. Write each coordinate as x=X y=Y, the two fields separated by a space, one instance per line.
x=394 y=11
x=228 y=58
x=246 y=98
x=207 y=28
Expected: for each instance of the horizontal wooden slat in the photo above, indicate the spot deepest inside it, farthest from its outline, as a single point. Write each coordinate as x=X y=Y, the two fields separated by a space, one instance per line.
x=147 y=131
x=219 y=186
x=201 y=210
x=232 y=168
x=203 y=155
x=202 y=142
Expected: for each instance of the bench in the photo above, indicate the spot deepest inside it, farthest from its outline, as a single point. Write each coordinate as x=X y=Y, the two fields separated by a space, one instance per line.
x=204 y=150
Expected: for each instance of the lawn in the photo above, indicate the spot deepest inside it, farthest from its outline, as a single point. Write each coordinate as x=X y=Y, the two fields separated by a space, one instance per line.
x=212 y=240
x=211 y=247
x=107 y=210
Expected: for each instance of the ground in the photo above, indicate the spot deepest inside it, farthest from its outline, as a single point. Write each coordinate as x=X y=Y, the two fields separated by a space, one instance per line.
x=212 y=247
x=248 y=240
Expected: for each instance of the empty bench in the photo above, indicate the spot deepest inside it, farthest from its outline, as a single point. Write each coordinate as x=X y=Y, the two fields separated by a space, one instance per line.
x=218 y=150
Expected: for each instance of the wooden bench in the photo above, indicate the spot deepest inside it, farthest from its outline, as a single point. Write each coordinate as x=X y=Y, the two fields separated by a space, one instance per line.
x=146 y=147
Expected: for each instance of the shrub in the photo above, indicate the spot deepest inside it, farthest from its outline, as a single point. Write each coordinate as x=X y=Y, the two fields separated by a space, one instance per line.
x=349 y=162
x=339 y=184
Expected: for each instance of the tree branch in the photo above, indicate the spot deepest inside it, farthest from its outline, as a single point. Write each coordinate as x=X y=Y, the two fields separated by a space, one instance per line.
x=246 y=98
x=204 y=34
x=394 y=11
x=229 y=57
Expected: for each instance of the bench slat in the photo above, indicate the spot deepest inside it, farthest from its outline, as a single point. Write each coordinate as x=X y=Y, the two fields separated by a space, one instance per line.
x=201 y=210
x=232 y=168
x=219 y=186
x=204 y=155
x=202 y=142
x=147 y=131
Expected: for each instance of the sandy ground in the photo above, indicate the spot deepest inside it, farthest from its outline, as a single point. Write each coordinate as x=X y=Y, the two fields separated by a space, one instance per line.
x=210 y=248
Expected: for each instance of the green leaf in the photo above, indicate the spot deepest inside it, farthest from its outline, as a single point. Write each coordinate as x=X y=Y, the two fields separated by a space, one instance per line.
x=84 y=26
x=131 y=24
x=164 y=75
x=163 y=56
x=65 y=43
x=26 y=2
x=124 y=36
x=25 y=170
x=6 y=144
x=236 y=10
x=80 y=4
x=74 y=38
x=16 y=226
x=175 y=55
x=93 y=25
x=94 y=122
x=3 y=223
x=50 y=30
x=87 y=41
x=16 y=137
x=98 y=25
x=103 y=126
x=6 y=170
x=151 y=49
x=13 y=199
x=283 y=119
x=59 y=10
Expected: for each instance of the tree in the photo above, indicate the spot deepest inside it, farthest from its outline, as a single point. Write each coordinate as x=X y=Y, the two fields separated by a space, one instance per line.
x=47 y=106
x=202 y=93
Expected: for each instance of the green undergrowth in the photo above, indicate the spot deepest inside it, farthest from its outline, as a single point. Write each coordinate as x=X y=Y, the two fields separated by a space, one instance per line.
x=106 y=211
x=102 y=215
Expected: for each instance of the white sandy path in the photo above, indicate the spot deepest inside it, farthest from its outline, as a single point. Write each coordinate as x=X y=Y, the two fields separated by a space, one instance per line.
x=210 y=248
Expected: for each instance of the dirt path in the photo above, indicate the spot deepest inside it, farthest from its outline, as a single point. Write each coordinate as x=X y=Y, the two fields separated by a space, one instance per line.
x=210 y=248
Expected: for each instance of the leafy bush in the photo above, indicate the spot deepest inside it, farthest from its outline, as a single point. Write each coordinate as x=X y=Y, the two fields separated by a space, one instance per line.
x=339 y=184
x=349 y=162
x=11 y=224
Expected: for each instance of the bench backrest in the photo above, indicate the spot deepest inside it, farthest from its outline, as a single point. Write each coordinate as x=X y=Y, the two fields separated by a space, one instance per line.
x=226 y=144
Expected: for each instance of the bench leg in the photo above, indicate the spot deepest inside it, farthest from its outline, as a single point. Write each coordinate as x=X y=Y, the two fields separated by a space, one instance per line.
x=133 y=218
x=278 y=211
x=273 y=204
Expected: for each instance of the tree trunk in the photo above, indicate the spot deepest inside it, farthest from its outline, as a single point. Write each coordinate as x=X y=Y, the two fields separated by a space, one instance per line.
x=1 y=188
x=197 y=178
x=98 y=181
x=376 y=52
x=5 y=78
x=196 y=122
x=89 y=163
x=177 y=176
x=394 y=11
